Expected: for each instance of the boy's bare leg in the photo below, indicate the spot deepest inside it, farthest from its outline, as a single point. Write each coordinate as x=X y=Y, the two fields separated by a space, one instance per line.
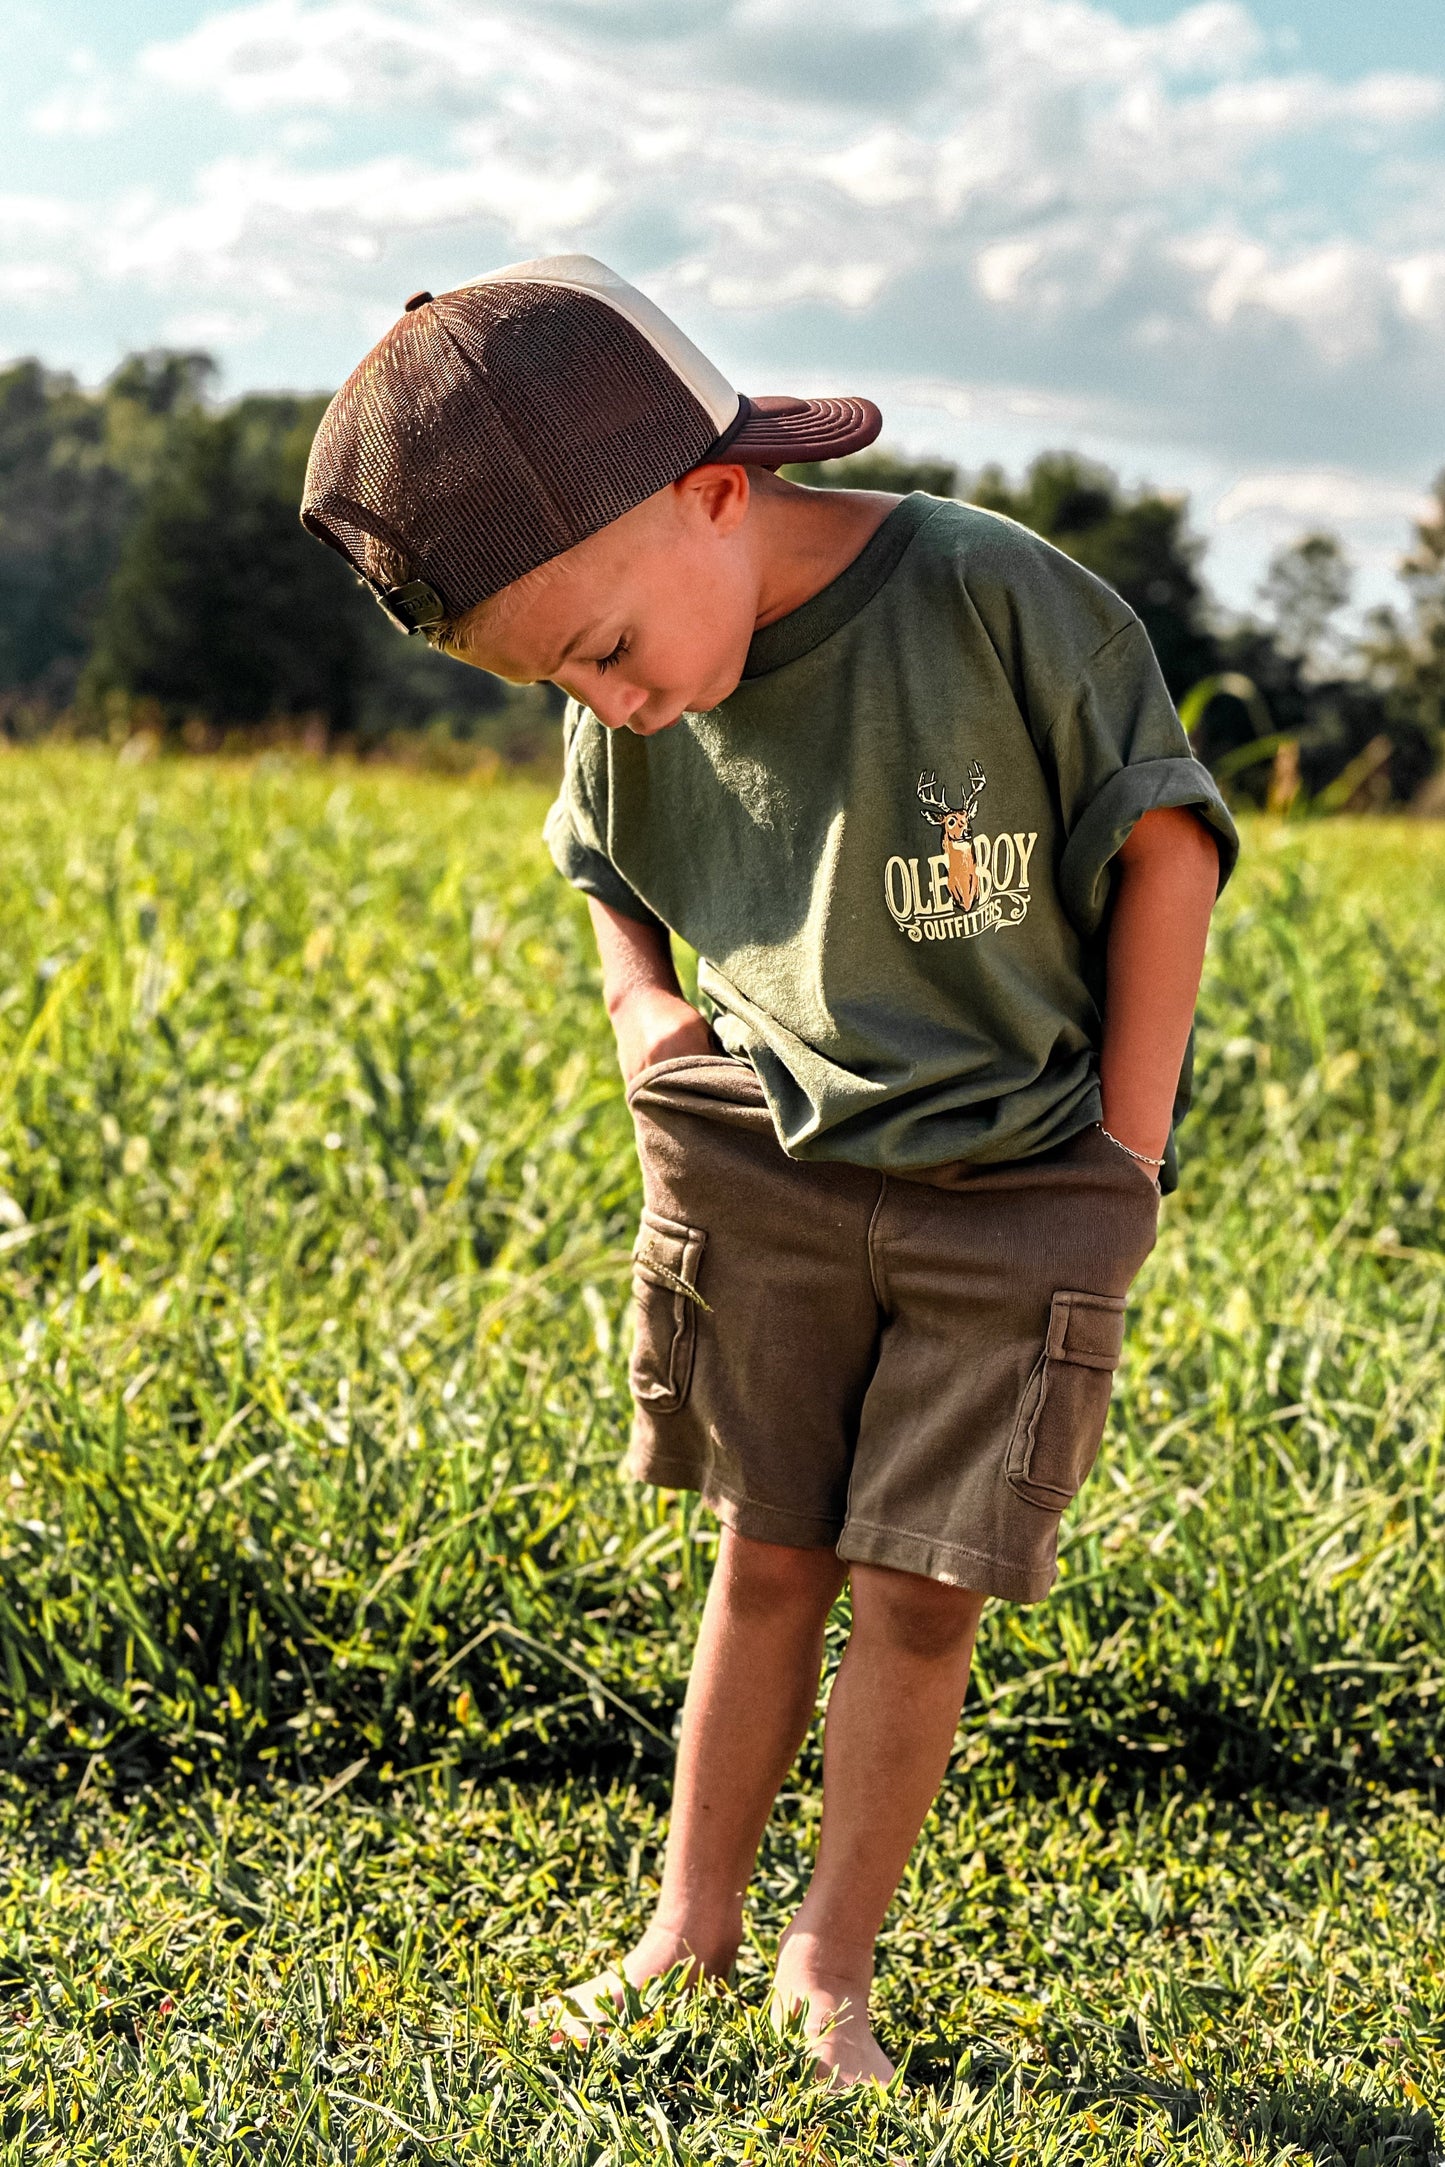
x=750 y=1698
x=891 y=1722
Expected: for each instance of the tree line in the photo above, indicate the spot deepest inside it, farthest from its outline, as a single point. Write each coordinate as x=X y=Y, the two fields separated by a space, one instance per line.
x=152 y=565
x=1281 y=702
x=154 y=573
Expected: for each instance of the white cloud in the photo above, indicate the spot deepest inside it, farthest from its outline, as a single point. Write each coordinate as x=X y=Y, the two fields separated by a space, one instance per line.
x=283 y=226
x=1337 y=296
x=880 y=171
x=87 y=103
x=1002 y=268
x=1057 y=148
x=1420 y=283
x=1012 y=191
x=1210 y=40
x=26 y=218
x=342 y=54
x=79 y=109
x=1268 y=509
x=29 y=221
x=1318 y=497
x=211 y=327
x=35 y=282
x=1394 y=98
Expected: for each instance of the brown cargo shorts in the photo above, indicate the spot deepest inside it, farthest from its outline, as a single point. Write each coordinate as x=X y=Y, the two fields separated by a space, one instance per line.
x=915 y=1372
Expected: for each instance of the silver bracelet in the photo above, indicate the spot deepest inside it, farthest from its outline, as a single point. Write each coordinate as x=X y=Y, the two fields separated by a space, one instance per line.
x=1142 y=1156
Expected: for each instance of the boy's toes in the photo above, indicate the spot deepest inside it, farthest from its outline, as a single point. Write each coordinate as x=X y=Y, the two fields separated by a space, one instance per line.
x=577 y=2010
x=836 y=2027
x=662 y=1960
x=856 y=2060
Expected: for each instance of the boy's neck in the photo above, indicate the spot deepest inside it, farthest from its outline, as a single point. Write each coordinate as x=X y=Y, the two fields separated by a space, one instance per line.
x=804 y=538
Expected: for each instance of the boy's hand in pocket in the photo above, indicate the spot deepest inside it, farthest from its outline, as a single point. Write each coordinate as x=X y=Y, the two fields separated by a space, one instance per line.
x=653 y=1024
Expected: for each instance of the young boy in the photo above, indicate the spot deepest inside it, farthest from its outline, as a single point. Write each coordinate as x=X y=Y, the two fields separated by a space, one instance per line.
x=908 y=781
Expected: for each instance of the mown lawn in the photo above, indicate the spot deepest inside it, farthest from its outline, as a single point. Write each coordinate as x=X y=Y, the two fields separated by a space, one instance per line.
x=338 y=1670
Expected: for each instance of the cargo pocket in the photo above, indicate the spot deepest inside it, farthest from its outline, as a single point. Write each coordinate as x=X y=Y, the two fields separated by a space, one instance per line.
x=665 y=1260
x=1066 y=1401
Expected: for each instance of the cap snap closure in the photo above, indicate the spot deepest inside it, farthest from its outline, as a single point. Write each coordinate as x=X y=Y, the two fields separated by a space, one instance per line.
x=412 y=607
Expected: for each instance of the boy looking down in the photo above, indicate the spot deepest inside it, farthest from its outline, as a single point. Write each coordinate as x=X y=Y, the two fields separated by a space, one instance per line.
x=908 y=781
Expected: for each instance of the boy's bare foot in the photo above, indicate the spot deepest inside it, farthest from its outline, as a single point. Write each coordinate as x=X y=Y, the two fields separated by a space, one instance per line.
x=573 y=2013
x=834 y=2002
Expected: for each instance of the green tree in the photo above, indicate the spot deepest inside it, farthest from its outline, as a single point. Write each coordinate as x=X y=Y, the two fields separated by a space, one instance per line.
x=73 y=467
x=887 y=471
x=221 y=605
x=1304 y=589
x=1405 y=650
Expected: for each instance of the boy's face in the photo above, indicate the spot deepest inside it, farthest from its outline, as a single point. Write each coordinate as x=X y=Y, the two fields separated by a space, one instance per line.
x=643 y=622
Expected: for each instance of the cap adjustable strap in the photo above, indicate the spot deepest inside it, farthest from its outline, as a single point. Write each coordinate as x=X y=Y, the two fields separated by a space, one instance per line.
x=412 y=607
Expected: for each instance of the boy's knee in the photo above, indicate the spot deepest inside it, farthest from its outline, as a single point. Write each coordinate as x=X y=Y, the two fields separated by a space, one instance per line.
x=767 y=1576
x=913 y=1615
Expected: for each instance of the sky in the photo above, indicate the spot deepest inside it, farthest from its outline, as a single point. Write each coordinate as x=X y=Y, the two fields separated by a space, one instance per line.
x=1203 y=243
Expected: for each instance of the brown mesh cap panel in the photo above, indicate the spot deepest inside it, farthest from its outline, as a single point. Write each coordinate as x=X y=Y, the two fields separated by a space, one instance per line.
x=490 y=430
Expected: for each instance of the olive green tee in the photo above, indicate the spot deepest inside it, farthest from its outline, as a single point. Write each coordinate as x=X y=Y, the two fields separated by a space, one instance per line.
x=891 y=846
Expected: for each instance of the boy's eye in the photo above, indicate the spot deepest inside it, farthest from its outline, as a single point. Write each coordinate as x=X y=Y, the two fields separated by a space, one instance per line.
x=608 y=662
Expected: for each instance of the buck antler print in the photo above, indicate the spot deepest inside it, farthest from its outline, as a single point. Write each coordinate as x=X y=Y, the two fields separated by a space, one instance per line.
x=957 y=825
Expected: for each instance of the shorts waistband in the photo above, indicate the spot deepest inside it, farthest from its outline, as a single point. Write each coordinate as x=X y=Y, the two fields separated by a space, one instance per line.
x=716 y=1085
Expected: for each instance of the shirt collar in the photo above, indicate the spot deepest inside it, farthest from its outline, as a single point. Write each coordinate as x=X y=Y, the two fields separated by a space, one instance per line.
x=816 y=620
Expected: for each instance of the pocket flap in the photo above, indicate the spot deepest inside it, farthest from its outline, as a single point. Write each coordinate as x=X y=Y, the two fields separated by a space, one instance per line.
x=668 y=1253
x=1087 y=1329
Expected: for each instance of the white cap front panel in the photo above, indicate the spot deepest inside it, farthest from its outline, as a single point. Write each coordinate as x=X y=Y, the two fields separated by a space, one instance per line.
x=584 y=274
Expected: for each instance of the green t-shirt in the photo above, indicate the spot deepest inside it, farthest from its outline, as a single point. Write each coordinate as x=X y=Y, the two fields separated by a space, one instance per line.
x=891 y=845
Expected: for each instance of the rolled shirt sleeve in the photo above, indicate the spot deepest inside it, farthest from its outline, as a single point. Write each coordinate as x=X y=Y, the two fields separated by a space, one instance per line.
x=575 y=831
x=1119 y=752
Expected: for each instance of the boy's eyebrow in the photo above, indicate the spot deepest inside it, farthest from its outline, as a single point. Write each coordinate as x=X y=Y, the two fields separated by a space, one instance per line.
x=578 y=639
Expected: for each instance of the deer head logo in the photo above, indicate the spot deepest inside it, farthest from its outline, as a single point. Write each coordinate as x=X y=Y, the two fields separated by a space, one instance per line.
x=957 y=825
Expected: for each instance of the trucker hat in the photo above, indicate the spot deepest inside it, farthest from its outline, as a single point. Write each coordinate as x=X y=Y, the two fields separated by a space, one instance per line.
x=495 y=426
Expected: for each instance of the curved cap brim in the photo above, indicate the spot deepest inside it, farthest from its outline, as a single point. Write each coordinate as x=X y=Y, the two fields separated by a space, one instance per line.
x=777 y=431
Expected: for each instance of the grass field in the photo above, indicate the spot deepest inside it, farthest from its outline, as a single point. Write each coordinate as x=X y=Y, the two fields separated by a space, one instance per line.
x=338 y=1670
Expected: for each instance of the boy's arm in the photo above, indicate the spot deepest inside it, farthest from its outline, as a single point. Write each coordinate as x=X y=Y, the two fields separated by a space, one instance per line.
x=651 y=1019
x=1167 y=880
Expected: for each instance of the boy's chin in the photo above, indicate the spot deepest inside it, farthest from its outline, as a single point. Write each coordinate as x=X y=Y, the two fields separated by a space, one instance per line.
x=645 y=726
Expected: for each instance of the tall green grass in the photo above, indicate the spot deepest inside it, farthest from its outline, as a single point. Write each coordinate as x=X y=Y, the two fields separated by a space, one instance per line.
x=318 y=1200
x=338 y=1668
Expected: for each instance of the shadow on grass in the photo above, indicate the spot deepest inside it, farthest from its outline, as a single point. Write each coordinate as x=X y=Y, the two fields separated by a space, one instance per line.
x=1338 y=2127
x=1333 y=2125
x=1197 y=1744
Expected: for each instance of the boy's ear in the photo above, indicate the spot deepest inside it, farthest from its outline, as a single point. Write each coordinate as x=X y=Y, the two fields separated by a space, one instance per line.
x=720 y=493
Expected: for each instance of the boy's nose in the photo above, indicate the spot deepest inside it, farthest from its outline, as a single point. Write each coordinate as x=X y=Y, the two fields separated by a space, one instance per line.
x=618 y=706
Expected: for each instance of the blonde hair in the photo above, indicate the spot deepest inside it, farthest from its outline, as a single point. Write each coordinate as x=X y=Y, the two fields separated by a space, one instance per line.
x=454 y=635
